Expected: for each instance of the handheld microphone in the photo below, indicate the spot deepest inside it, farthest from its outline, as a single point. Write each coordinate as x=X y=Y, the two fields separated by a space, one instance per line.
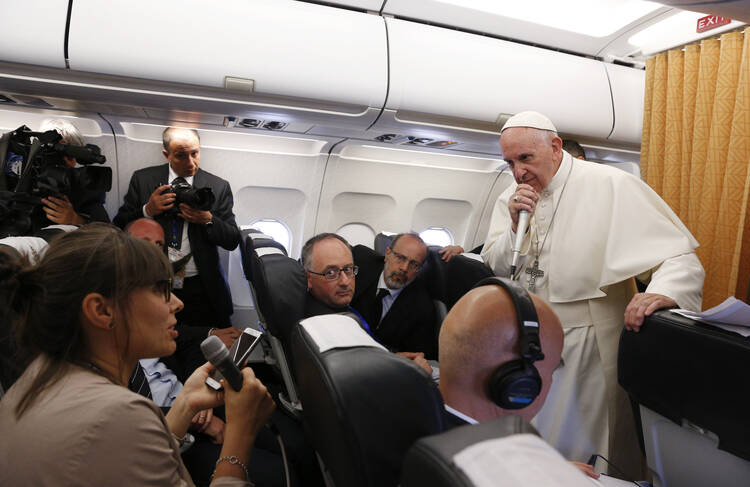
x=523 y=223
x=216 y=353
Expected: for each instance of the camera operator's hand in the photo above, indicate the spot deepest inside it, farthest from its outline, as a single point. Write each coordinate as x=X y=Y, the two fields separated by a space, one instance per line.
x=160 y=200
x=60 y=211
x=194 y=216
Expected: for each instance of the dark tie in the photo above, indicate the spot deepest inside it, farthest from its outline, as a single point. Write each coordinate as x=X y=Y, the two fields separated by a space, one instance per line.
x=177 y=226
x=378 y=304
x=138 y=382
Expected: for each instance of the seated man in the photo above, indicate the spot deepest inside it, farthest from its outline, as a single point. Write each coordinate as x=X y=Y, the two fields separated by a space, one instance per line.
x=398 y=308
x=480 y=335
x=188 y=356
x=329 y=265
x=77 y=209
x=330 y=270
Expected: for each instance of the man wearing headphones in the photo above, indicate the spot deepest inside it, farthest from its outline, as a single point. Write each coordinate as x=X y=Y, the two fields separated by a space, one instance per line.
x=498 y=348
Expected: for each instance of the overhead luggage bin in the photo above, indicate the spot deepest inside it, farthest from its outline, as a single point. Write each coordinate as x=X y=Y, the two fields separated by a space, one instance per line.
x=286 y=57
x=691 y=382
x=461 y=81
x=33 y=32
x=628 y=87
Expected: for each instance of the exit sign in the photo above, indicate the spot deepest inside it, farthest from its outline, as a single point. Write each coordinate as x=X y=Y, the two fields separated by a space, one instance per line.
x=711 y=22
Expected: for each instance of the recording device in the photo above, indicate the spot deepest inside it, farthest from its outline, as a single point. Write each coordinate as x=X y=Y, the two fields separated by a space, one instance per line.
x=523 y=223
x=33 y=166
x=199 y=198
x=236 y=356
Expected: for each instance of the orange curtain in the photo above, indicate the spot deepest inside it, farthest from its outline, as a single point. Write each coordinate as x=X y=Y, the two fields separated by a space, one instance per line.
x=695 y=152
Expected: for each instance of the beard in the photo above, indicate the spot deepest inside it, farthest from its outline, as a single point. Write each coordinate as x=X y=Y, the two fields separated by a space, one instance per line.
x=395 y=280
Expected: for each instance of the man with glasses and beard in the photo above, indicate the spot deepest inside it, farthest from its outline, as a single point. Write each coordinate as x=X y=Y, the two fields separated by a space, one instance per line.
x=397 y=306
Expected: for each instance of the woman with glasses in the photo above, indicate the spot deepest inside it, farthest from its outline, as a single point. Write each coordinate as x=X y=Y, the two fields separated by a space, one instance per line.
x=96 y=303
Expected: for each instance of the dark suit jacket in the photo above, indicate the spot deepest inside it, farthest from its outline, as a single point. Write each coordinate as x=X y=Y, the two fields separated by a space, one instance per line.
x=410 y=324
x=203 y=238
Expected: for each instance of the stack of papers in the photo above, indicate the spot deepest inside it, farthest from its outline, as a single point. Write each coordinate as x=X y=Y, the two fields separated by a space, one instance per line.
x=732 y=315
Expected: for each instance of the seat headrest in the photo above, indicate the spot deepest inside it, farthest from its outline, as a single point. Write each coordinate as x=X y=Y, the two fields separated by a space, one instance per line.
x=503 y=452
x=278 y=282
x=383 y=241
x=363 y=406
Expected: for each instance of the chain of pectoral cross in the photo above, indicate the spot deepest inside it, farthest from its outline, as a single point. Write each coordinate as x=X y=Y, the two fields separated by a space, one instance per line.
x=534 y=271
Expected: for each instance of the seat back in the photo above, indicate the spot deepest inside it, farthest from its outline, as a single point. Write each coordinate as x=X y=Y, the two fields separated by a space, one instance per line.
x=689 y=381
x=364 y=406
x=278 y=286
x=383 y=241
x=497 y=453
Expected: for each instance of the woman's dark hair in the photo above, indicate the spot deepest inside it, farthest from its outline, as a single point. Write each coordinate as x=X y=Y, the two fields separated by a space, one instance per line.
x=46 y=298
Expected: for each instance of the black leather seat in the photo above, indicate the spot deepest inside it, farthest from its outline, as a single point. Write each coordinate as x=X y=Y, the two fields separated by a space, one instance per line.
x=278 y=286
x=429 y=462
x=691 y=383
x=364 y=406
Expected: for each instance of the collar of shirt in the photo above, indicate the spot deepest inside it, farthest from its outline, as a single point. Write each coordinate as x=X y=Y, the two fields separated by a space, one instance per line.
x=163 y=382
x=173 y=175
x=461 y=415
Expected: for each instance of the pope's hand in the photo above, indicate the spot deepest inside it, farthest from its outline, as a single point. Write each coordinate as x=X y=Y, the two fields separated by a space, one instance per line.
x=642 y=305
x=525 y=198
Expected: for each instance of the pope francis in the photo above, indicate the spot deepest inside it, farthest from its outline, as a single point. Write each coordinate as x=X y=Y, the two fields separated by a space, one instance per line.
x=593 y=230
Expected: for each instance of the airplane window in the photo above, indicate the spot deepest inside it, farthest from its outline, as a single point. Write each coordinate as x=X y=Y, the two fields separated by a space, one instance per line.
x=437 y=236
x=357 y=234
x=273 y=228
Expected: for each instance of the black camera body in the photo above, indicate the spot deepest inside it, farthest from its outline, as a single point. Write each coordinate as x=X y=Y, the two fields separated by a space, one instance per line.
x=32 y=167
x=198 y=198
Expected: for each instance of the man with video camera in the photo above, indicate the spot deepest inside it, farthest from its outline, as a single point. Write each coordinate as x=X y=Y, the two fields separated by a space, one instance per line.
x=194 y=208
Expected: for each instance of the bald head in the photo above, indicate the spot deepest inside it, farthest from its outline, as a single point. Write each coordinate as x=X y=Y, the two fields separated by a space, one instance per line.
x=481 y=333
x=146 y=229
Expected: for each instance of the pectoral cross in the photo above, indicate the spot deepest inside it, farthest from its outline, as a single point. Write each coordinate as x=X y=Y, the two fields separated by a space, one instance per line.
x=533 y=273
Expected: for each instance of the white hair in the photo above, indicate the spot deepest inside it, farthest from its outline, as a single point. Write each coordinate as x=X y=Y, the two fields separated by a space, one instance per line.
x=67 y=130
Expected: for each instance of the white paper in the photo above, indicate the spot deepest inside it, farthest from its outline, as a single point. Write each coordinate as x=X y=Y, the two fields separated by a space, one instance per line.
x=337 y=331
x=517 y=460
x=732 y=315
x=610 y=482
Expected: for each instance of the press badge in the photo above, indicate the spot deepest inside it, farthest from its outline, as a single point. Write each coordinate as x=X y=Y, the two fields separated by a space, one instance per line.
x=179 y=276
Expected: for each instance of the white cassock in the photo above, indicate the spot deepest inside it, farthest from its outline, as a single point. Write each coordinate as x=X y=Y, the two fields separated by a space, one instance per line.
x=609 y=228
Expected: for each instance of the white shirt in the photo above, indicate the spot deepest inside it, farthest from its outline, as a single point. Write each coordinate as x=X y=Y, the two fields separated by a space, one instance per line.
x=190 y=268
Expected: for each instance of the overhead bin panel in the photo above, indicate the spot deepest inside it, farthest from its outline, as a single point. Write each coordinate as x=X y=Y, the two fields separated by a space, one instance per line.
x=287 y=48
x=469 y=78
x=628 y=86
x=33 y=32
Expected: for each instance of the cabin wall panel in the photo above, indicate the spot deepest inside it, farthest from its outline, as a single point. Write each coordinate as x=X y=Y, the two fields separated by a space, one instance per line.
x=33 y=32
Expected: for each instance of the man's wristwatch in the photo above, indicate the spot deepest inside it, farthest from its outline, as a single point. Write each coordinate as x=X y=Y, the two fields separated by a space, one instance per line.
x=210 y=222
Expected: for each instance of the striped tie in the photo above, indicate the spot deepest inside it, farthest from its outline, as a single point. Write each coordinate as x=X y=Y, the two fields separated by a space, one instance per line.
x=138 y=382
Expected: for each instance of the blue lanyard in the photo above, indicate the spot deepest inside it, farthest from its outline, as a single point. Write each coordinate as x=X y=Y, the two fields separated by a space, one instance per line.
x=174 y=244
x=364 y=323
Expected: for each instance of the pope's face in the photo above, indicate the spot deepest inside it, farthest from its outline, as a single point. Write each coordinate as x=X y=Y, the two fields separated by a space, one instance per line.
x=533 y=155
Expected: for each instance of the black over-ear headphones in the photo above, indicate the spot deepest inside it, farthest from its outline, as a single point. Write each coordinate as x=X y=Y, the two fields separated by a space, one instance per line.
x=515 y=384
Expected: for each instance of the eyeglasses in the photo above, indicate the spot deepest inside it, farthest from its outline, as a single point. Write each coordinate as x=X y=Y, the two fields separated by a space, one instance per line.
x=333 y=273
x=401 y=259
x=165 y=287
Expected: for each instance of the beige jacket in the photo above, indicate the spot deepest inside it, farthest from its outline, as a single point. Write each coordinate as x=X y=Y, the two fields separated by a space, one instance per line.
x=86 y=431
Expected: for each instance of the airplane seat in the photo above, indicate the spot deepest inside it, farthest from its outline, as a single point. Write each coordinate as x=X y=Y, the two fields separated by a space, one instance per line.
x=461 y=274
x=364 y=406
x=497 y=453
x=693 y=393
x=383 y=241
x=278 y=286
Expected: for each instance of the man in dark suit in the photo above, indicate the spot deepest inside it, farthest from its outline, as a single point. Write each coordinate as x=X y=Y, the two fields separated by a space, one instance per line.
x=329 y=265
x=394 y=302
x=192 y=234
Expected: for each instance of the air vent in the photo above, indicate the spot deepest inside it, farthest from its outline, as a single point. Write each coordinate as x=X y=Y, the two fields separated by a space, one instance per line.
x=5 y=99
x=274 y=125
x=33 y=100
x=251 y=123
x=418 y=141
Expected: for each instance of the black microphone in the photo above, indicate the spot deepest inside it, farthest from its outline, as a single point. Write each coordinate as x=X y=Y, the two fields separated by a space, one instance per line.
x=216 y=353
x=523 y=222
